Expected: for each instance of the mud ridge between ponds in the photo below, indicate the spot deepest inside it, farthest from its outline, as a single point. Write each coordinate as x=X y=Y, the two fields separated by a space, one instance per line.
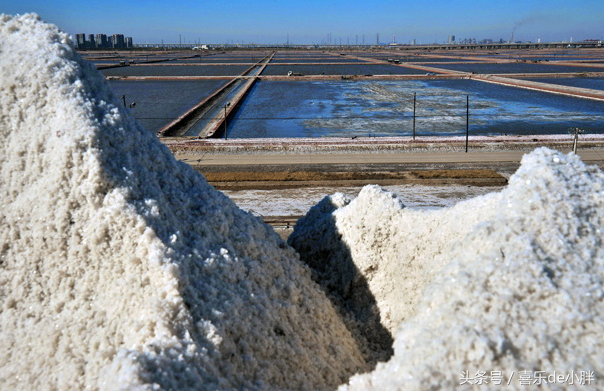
x=249 y=179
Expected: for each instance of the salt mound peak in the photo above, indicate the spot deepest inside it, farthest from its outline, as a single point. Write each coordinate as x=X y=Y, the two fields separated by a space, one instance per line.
x=121 y=268
x=504 y=283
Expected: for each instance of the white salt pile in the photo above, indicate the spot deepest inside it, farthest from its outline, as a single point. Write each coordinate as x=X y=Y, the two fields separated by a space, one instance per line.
x=121 y=268
x=496 y=288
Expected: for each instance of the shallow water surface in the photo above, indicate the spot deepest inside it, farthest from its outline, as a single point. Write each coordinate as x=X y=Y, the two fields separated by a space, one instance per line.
x=385 y=108
x=520 y=67
x=176 y=70
x=160 y=102
x=350 y=69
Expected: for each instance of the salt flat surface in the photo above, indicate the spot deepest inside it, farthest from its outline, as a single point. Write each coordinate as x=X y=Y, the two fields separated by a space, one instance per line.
x=296 y=202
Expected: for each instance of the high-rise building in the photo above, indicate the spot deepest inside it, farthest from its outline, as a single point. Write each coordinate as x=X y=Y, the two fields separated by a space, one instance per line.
x=117 y=40
x=91 y=44
x=451 y=39
x=80 y=41
x=101 y=41
x=128 y=42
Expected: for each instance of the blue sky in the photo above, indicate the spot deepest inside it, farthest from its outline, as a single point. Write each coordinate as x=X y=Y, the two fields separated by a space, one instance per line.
x=311 y=21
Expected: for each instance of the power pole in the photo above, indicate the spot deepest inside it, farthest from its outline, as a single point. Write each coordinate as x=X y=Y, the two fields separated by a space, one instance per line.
x=467 y=120
x=225 y=119
x=414 y=102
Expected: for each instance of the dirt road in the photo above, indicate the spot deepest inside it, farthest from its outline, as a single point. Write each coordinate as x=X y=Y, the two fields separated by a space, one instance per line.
x=486 y=158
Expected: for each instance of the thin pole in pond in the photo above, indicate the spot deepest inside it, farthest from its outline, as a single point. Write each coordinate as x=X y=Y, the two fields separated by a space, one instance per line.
x=225 y=119
x=414 y=101
x=467 y=120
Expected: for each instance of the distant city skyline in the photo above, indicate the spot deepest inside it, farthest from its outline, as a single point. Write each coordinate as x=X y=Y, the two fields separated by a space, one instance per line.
x=320 y=22
x=102 y=41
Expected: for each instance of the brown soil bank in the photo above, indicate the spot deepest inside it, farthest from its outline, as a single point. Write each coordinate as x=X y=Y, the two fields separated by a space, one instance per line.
x=252 y=178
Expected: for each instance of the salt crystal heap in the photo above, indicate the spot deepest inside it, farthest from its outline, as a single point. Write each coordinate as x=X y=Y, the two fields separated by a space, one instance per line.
x=120 y=267
x=499 y=284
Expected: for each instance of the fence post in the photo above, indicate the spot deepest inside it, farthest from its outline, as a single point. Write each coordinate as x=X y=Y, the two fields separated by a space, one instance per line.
x=575 y=132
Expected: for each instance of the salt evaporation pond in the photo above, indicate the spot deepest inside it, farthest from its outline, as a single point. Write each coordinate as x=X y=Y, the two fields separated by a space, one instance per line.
x=160 y=102
x=439 y=60
x=303 y=54
x=385 y=108
x=352 y=69
x=134 y=58
x=517 y=67
x=176 y=70
x=521 y=53
x=556 y=58
x=594 y=83
x=249 y=57
x=313 y=60
x=521 y=56
x=105 y=62
x=207 y=60
x=410 y=58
